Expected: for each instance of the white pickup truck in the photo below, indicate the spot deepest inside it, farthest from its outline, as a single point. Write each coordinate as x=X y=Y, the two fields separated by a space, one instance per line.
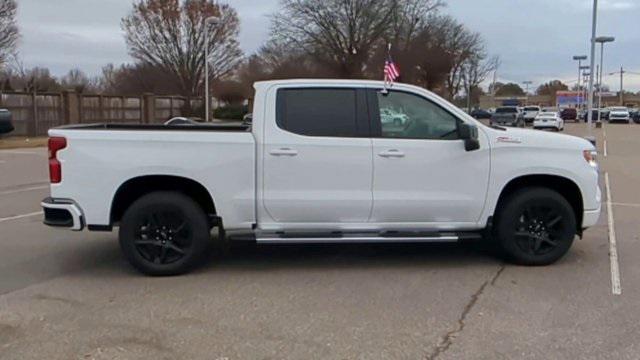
x=318 y=165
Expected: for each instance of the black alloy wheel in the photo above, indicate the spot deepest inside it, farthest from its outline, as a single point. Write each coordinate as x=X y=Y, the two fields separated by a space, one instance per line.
x=538 y=230
x=536 y=226
x=164 y=233
x=163 y=237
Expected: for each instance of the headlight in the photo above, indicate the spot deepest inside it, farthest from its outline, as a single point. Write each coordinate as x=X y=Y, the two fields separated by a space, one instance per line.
x=590 y=156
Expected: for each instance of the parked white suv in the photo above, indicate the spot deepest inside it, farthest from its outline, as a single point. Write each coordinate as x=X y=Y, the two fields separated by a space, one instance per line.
x=318 y=165
x=619 y=114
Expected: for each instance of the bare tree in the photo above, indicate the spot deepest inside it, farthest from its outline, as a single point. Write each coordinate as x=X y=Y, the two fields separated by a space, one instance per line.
x=463 y=46
x=340 y=34
x=77 y=80
x=426 y=58
x=551 y=88
x=475 y=71
x=170 y=35
x=410 y=18
x=229 y=92
x=8 y=29
x=137 y=79
x=36 y=79
x=509 y=89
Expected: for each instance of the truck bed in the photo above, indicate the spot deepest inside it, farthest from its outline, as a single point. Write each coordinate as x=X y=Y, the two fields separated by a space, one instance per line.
x=99 y=158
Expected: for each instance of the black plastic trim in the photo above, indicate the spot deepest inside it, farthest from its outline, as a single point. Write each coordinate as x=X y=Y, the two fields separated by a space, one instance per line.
x=198 y=127
x=106 y=228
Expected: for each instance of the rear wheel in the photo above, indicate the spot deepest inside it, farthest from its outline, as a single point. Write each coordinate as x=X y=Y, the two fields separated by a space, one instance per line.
x=536 y=226
x=164 y=233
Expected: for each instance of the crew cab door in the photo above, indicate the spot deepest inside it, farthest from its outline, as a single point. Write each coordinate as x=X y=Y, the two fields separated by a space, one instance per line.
x=423 y=176
x=317 y=160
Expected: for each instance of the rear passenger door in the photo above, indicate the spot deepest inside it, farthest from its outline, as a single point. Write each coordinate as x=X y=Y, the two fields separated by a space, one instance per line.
x=317 y=165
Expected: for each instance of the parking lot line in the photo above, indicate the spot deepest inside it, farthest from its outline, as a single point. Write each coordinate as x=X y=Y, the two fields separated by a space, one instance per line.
x=16 y=217
x=625 y=204
x=19 y=152
x=7 y=192
x=605 y=148
x=616 y=287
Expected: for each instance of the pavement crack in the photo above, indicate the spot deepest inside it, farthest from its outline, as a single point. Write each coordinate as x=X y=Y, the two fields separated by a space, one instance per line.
x=447 y=339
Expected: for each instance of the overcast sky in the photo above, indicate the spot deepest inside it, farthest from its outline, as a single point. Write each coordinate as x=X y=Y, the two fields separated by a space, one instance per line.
x=534 y=38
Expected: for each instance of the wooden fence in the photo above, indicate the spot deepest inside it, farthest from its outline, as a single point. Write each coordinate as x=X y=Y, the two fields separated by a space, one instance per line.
x=35 y=113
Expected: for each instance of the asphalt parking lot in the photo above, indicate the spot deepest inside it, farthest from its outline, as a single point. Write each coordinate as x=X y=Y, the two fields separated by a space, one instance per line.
x=67 y=295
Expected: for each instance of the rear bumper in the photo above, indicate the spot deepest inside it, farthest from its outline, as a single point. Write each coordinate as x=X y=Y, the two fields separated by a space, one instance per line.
x=550 y=125
x=62 y=213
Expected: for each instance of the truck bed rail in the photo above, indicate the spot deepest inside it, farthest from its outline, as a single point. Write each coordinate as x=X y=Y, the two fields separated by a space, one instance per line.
x=161 y=127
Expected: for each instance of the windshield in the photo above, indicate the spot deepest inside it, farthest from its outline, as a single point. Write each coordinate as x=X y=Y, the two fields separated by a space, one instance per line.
x=548 y=114
x=506 y=110
x=618 y=108
x=532 y=108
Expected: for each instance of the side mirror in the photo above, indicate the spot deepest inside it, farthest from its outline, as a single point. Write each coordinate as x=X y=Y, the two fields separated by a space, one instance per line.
x=469 y=133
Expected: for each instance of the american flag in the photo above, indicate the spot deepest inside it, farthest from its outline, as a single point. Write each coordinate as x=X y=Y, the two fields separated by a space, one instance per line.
x=391 y=70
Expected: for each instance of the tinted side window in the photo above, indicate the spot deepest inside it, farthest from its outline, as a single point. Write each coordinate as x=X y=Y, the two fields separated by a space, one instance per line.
x=408 y=116
x=318 y=112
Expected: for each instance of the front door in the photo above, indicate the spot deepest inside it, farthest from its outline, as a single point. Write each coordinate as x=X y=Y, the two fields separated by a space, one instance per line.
x=317 y=158
x=422 y=174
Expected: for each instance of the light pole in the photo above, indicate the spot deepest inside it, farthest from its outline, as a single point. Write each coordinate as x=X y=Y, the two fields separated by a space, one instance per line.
x=594 y=23
x=579 y=58
x=585 y=79
x=602 y=40
x=211 y=20
x=526 y=84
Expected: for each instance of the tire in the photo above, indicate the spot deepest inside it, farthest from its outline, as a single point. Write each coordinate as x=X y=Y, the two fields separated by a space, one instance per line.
x=535 y=226
x=164 y=233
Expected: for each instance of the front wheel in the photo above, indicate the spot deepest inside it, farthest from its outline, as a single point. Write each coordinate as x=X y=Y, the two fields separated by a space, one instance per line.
x=164 y=233
x=535 y=226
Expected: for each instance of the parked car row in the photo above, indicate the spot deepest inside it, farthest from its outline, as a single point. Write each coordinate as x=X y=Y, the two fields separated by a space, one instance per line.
x=614 y=114
x=521 y=116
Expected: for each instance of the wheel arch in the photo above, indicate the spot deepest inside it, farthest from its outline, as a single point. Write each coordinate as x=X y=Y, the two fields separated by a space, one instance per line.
x=134 y=188
x=566 y=187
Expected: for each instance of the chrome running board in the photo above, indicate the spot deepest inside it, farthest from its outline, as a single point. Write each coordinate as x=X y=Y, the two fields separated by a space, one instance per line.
x=354 y=239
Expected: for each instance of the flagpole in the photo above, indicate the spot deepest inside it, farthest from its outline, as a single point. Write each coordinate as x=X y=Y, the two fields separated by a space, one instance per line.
x=386 y=79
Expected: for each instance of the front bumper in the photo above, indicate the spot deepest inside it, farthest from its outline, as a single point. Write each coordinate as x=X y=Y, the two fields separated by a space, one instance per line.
x=621 y=119
x=62 y=213
x=590 y=217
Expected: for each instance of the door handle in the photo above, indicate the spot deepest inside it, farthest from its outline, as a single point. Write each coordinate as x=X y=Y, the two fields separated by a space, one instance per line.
x=391 y=153
x=284 y=152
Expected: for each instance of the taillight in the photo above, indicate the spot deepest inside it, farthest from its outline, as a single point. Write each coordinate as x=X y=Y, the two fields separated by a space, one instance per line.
x=55 y=168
